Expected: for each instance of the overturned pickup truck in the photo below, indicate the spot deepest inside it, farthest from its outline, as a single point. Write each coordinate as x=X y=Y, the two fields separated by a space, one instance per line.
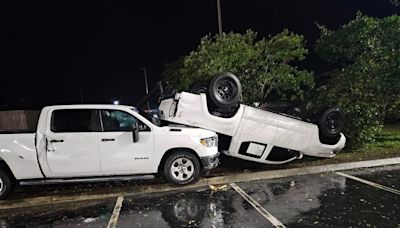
x=251 y=133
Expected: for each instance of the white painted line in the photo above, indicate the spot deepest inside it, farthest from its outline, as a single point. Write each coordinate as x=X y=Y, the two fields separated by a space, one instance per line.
x=117 y=209
x=275 y=222
x=392 y=190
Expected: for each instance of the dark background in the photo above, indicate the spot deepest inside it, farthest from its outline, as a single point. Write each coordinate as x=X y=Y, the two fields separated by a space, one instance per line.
x=50 y=51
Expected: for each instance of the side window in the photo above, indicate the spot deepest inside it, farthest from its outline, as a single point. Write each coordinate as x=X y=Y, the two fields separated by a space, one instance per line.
x=114 y=120
x=75 y=120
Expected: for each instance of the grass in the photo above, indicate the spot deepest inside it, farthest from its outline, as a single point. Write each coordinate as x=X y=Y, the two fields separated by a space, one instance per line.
x=386 y=145
x=389 y=138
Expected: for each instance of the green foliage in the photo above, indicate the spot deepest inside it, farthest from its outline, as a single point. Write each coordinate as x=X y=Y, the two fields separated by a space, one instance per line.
x=262 y=65
x=365 y=84
x=393 y=112
x=388 y=138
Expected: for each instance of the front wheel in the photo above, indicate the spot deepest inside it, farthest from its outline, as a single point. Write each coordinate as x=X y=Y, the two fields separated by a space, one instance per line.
x=224 y=91
x=182 y=168
x=5 y=185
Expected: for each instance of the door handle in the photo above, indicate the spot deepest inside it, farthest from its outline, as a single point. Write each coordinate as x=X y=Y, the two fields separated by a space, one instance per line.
x=56 y=141
x=107 y=140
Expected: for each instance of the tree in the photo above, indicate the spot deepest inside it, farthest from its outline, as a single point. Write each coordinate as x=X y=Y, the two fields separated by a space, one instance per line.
x=262 y=65
x=365 y=83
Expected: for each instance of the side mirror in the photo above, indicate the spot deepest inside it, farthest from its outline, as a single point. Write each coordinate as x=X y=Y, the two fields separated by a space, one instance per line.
x=135 y=132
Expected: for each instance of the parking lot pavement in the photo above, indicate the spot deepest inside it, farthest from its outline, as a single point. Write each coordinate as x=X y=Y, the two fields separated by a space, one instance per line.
x=191 y=209
x=83 y=214
x=328 y=200
x=201 y=207
x=317 y=200
x=388 y=176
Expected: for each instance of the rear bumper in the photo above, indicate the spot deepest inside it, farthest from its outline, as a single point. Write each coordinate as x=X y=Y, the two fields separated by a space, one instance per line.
x=318 y=149
x=210 y=162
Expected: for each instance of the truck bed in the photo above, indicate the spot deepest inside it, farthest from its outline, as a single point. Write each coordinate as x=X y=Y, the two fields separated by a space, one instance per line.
x=19 y=150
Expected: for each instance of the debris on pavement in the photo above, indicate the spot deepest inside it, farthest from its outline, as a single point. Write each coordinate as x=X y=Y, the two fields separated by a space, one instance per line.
x=219 y=188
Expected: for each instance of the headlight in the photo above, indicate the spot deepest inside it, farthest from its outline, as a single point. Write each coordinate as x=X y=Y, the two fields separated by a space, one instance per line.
x=209 y=142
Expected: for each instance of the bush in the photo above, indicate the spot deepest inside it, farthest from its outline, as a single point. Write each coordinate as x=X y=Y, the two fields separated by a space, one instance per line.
x=365 y=83
x=262 y=65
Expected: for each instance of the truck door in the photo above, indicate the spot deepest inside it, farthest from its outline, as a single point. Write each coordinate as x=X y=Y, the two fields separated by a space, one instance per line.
x=119 y=153
x=72 y=142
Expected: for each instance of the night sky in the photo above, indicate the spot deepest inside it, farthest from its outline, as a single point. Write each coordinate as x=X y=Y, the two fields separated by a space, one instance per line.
x=52 y=50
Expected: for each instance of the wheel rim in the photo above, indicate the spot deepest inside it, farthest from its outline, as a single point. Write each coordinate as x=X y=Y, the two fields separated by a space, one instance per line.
x=182 y=169
x=225 y=90
x=332 y=123
x=1 y=185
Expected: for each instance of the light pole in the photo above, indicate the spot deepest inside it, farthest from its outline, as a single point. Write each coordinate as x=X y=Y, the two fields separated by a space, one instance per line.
x=219 y=17
x=146 y=85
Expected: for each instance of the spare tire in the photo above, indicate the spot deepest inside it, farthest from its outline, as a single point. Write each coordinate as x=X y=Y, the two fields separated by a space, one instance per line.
x=331 y=123
x=198 y=87
x=224 y=90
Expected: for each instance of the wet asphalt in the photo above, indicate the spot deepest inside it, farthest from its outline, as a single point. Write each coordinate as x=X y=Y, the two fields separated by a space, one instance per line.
x=321 y=200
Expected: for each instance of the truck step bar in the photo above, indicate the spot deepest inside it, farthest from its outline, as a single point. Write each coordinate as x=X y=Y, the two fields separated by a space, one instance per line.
x=86 y=180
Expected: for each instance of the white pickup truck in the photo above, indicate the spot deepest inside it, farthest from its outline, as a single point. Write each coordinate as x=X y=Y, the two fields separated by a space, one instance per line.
x=251 y=133
x=81 y=143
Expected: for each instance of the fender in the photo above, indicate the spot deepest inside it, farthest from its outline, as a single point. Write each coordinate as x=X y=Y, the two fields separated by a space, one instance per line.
x=4 y=166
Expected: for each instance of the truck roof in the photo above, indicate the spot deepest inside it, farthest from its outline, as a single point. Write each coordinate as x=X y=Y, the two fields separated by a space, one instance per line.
x=89 y=106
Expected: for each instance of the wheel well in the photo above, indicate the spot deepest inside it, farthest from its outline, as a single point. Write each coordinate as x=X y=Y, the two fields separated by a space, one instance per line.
x=6 y=168
x=173 y=150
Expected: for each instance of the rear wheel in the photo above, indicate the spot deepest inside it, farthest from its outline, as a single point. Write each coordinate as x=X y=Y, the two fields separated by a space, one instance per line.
x=5 y=185
x=182 y=168
x=224 y=91
x=331 y=123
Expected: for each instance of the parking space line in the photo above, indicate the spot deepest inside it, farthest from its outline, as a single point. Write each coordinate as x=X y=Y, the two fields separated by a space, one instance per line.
x=117 y=209
x=275 y=222
x=392 y=190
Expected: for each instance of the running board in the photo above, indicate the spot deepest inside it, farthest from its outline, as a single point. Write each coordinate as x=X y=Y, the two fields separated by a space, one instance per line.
x=86 y=180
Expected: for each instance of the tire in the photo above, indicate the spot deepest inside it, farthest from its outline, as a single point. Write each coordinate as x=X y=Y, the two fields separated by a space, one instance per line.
x=331 y=123
x=224 y=91
x=182 y=168
x=6 y=185
x=198 y=87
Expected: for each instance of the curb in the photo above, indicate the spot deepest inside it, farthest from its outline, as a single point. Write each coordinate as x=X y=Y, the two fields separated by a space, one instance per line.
x=163 y=188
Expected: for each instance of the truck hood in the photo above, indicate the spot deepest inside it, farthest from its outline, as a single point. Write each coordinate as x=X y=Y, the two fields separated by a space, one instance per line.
x=190 y=131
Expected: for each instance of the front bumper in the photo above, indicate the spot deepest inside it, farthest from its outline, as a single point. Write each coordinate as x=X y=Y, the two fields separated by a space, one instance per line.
x=210 y=162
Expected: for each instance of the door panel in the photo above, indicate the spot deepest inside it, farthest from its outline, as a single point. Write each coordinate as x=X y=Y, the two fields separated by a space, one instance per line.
x=72 y=143
x=77 y=153
x=118 y=152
